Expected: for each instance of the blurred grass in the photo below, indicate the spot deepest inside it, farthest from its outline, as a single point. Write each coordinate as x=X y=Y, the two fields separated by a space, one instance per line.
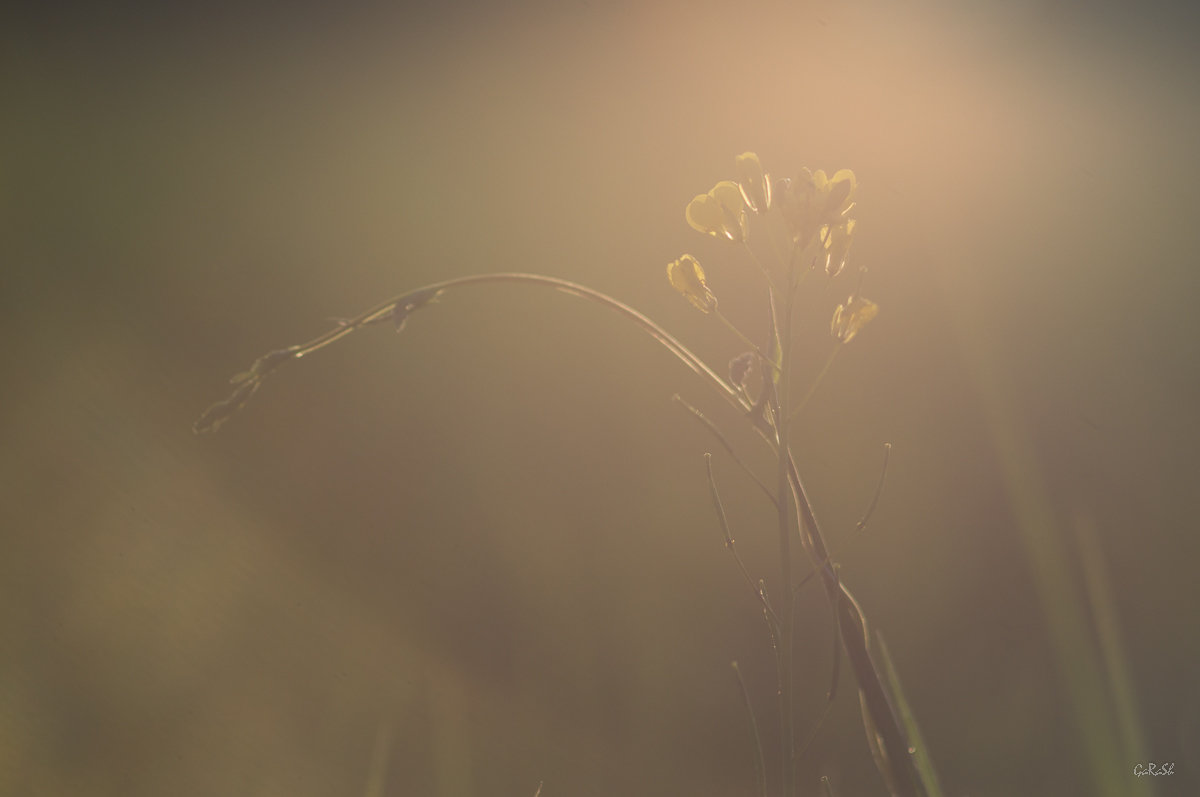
x=1091 y=672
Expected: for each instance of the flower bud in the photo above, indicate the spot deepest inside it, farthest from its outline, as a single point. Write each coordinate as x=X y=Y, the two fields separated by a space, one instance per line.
x=687 y=277
x=851 y=317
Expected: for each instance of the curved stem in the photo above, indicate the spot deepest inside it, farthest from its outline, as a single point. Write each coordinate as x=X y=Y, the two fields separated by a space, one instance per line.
x=398 y=308
x=795 y=413
x=758 y=262
x=852 y=622
x=897 y=765
x=744 y=339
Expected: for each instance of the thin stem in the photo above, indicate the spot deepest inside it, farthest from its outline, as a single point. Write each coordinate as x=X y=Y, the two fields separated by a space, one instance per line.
x=712 y=427
x=816 y=382
x=862 y=523
x=742 y=337
x=758 y=262
x=855 y=640
x=398 y=309
x=816 y=728
x=837 y=645
x=784 y=514
x=760 y=768
x=768 y=612
x=851 y=621
x=833 y=683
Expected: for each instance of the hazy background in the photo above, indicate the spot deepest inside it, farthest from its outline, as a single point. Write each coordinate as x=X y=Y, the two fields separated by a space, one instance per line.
x=485 y=546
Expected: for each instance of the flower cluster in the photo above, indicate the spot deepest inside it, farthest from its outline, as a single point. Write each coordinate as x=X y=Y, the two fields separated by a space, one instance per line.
x=815 y=208
x=810 y=213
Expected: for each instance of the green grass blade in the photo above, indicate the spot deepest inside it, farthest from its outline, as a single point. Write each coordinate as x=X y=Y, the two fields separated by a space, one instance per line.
x=920 y=751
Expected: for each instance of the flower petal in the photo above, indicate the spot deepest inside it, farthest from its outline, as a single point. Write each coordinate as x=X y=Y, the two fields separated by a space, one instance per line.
x=754 y=183
x=837 y=247
x=841 y=193
x=720 y=213
x=687 y=277
x=814 y=202
x=704 y=213
x=851 y=317
x=733 y=206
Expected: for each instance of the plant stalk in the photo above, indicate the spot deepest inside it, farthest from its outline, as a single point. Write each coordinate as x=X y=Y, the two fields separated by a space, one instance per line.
x=784 y=507
x=399 y=307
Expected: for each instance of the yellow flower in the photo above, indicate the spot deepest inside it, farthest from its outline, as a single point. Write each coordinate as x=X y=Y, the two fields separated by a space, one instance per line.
x=687 y=277
x=851 y=317
x=754 y=183
x=837 y=247
x=814 y=201
x=720 y=213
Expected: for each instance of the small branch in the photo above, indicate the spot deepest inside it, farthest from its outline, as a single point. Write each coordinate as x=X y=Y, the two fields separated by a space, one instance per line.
x=812 y=734
x=833 y=684
x=772 y=620
x=398 y=309
x=712 y=427
x=812 y=389
x=758 y=262
x=760 y=767
x=862 y=524
x=837 y=641
x=808 y=577
x=741 y=335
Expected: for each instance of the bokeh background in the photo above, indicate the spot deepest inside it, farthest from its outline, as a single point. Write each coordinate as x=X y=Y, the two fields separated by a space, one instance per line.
x=480 y=555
